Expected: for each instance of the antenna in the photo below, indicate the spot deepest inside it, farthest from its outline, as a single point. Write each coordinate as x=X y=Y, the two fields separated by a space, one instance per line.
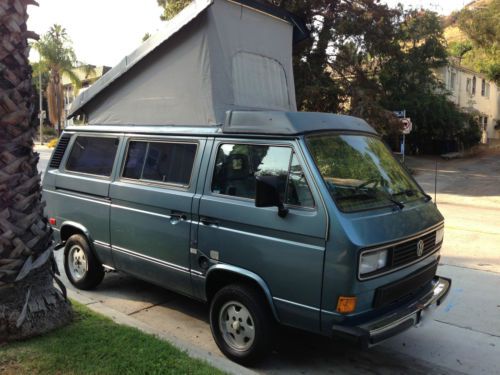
x=435 y=183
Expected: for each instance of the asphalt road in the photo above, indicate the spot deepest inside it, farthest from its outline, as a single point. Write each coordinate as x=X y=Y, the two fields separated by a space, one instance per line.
x=462 y=337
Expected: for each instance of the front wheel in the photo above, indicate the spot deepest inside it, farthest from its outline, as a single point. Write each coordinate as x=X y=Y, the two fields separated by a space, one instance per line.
x=82 y=268
x=241 y=323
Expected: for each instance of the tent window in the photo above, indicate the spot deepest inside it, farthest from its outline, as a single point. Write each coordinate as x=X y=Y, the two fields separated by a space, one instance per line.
x=259 y=82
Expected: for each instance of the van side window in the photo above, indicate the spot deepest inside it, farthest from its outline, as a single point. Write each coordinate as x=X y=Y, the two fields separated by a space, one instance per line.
x=92 y=155
x=160 y=161
x=237 y=165
x=298 y=193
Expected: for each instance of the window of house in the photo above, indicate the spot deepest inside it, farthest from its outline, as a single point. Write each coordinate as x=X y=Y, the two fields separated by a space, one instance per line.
x=237 y=165
x=485 y=88
x=167 y=162
x=468 y=86
x=92 y=155
x=473 y=92
x=483 y=121
x=453 y=77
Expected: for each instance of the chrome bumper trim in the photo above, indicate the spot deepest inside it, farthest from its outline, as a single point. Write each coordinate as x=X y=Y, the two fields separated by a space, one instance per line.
x=389 y=325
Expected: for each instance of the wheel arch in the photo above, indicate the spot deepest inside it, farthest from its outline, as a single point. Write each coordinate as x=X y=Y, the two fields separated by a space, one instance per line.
x=69 y=228
x=221 y=275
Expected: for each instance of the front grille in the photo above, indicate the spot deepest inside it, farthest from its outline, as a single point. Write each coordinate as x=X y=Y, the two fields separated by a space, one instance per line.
x=403 y=253
x=404 y=288
x=406 y=252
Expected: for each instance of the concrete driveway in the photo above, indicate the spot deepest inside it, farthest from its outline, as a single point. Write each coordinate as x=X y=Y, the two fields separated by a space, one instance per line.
x=462 y=337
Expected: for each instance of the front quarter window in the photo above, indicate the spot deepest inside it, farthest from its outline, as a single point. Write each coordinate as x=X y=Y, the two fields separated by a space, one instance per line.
x=360 y=172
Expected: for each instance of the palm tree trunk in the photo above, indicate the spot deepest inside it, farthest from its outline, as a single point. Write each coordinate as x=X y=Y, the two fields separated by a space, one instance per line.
x=29 y=302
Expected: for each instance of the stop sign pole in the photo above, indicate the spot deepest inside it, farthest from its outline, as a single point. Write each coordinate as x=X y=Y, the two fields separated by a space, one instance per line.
x=407 y=127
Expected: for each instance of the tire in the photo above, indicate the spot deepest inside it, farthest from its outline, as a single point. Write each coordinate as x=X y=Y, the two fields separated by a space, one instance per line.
x=82 y=268
x=242 y=340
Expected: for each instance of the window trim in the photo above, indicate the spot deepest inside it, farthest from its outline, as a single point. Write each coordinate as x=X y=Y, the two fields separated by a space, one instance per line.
x=99 y=176
x=147 y=182
x=211 y=170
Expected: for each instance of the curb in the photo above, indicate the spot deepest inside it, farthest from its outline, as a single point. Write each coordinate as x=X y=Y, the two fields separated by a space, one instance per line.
x=221 y=363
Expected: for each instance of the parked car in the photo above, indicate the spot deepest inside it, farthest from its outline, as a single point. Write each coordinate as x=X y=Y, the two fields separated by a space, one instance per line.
x=301 y=219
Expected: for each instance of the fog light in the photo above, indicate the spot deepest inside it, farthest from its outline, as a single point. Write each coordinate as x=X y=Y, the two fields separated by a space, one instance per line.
x=346 y=304
x=439 y=235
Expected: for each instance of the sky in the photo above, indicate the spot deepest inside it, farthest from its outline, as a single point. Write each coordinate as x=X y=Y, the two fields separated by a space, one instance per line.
x=104 y=31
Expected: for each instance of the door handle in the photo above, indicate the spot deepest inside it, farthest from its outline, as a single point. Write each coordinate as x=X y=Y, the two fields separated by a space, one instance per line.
x=209 y=222
x=178 y=216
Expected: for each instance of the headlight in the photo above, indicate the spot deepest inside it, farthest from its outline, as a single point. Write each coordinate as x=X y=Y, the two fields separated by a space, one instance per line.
x=439 y=235
x=372 y=261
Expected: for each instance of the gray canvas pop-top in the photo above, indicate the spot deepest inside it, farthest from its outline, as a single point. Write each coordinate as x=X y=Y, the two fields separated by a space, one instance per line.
x=214 y=56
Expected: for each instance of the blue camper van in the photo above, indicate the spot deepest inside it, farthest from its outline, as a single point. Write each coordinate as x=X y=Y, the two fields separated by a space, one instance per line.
x=312 y=224
x=194 y=171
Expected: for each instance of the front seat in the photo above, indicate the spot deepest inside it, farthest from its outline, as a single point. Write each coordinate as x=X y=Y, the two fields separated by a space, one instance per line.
x=240 y=181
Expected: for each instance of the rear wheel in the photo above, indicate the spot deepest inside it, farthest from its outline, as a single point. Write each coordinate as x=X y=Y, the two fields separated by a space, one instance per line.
x=82 y=268
x=241 y=323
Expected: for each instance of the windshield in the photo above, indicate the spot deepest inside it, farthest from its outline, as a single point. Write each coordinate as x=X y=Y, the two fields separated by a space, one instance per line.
x=361 y=172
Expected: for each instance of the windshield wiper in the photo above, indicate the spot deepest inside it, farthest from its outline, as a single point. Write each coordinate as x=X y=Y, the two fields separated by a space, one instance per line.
x=407 y=192
x=372 y=195
x=411 y=193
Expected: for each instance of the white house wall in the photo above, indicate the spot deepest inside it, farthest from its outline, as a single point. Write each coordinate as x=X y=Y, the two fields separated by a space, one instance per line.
x=460 y=94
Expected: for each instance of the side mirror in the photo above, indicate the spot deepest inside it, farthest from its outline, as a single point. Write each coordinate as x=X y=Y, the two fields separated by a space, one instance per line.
x=267 y=194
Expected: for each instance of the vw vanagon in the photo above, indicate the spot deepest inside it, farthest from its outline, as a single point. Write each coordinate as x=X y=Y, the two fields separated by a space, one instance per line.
x=300 y=219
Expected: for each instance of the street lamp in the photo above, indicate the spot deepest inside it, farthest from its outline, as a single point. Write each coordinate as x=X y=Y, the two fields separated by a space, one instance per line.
x=40 y=112
x=40 y=98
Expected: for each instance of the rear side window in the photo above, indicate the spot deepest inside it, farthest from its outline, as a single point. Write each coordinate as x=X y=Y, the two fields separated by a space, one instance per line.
x=93 y=155
x=237 y=165
x=167 y=162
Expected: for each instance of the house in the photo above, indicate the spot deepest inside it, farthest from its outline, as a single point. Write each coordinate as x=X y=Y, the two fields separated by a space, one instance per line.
x=87 y=74
x=473 y=92
x=213 y=57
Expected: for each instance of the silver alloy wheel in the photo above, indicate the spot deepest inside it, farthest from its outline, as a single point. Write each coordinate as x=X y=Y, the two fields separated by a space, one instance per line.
x=237 y=326
x=77 y=263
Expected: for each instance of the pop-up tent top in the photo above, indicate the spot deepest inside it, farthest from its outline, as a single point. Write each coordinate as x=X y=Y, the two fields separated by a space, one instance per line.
x=214 y=56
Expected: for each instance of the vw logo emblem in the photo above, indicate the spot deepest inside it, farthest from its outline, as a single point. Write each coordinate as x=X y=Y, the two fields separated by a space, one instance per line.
x=420 y=248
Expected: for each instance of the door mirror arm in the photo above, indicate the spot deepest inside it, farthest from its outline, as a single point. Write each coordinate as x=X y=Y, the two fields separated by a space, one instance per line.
x=282 y=210
x=267 y=194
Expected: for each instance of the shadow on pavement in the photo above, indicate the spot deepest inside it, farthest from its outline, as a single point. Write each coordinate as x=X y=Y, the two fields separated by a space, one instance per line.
x=296 y=352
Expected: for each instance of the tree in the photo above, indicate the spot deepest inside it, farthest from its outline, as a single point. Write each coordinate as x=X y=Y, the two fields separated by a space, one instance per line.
x=57 y=58
x=29 y=302
x=367 y=59
x=481 y=24
x=172 y=7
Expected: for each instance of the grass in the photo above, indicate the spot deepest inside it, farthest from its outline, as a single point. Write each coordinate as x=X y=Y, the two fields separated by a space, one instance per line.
x=93 y=344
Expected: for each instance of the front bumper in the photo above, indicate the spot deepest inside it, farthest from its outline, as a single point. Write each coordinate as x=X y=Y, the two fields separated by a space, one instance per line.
x=390 y=324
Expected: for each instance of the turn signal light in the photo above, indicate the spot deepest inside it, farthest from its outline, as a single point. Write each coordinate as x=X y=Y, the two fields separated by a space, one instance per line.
x=52 y=221
x=346 y=304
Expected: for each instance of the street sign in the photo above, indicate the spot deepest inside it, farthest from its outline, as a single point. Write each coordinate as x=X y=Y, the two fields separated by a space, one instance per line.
x=407 y=125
